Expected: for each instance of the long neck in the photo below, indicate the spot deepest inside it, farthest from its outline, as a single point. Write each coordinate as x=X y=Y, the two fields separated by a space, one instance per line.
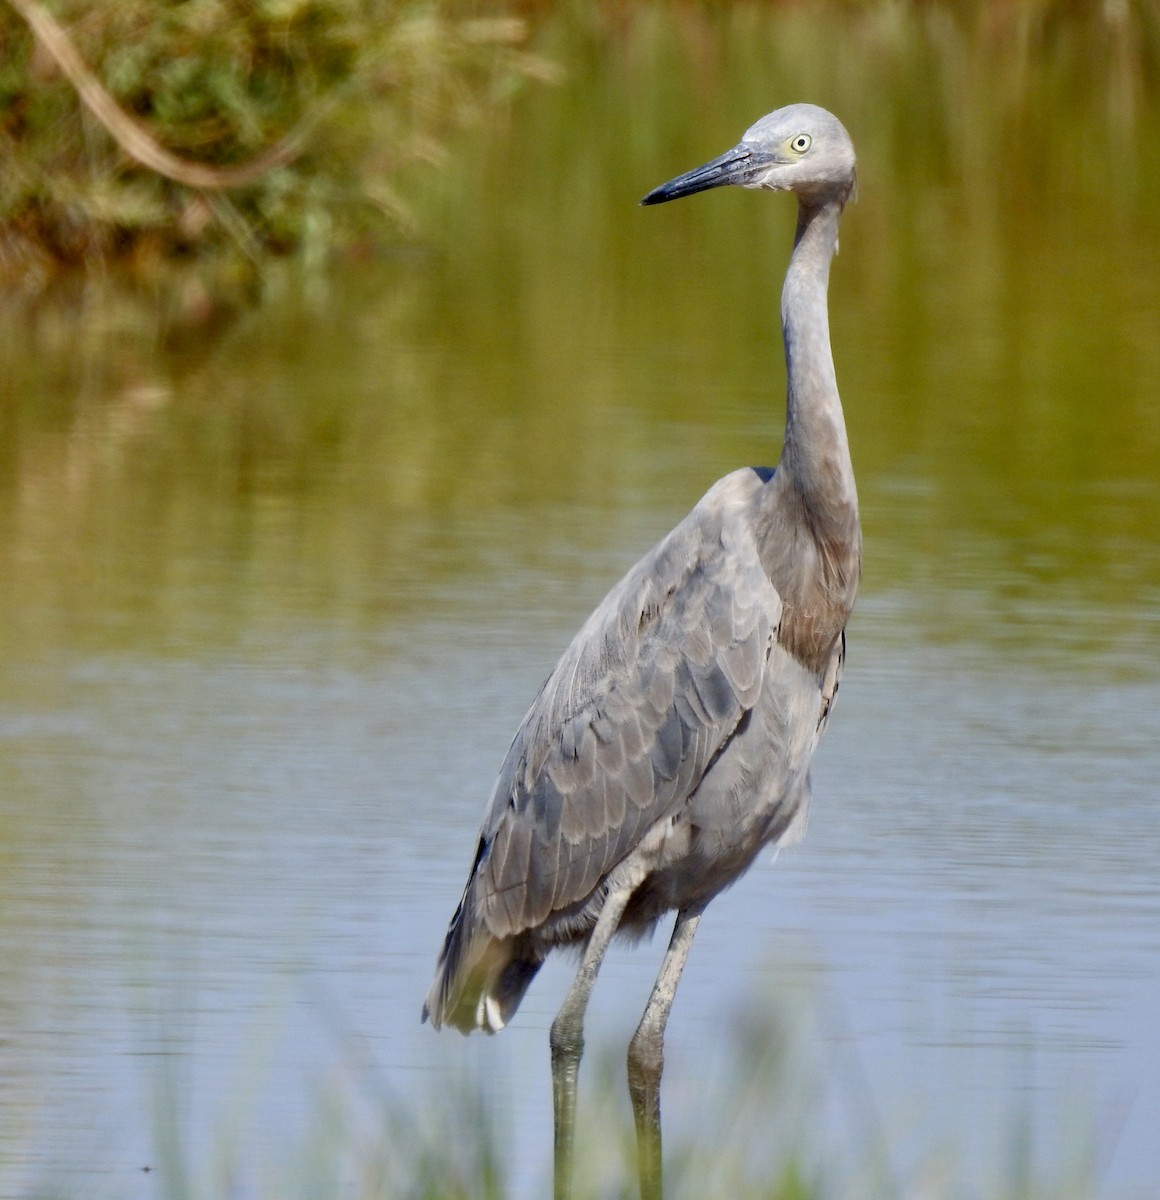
x=816 y=454
x=810 y=539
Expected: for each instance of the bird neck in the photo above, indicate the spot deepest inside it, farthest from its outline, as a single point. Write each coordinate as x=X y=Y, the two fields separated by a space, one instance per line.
x=816 y=453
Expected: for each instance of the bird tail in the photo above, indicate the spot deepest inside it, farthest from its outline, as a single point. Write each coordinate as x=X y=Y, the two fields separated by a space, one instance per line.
x=479 y=979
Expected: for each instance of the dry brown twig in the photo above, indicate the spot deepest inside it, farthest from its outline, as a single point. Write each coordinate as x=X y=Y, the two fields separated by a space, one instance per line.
x=132 y=137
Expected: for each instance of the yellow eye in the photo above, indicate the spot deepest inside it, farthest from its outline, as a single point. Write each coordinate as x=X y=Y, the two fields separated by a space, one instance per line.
x=801 y=143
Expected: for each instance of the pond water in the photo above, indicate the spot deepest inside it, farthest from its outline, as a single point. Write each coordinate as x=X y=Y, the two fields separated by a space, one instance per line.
x=272 y=605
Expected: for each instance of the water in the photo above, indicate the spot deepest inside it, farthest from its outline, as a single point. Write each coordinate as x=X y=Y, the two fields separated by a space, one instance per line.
x=272 y=605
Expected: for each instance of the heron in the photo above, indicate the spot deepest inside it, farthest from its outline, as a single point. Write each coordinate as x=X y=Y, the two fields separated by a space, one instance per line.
x=673 y=739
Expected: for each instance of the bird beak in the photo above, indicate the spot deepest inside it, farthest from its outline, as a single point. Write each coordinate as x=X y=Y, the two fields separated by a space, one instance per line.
x=738 y=165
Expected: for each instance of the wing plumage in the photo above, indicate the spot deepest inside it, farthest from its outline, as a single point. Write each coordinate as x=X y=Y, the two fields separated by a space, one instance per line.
x=660 y=682
x=624 y=728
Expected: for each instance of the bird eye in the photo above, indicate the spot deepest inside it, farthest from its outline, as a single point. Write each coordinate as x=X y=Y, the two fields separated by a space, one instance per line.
x=801 y=143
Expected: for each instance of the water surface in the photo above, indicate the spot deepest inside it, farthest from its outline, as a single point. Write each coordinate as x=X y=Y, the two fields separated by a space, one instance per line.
x=272 y=606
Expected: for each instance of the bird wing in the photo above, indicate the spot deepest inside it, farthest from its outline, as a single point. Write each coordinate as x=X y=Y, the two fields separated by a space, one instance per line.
x=640 y=705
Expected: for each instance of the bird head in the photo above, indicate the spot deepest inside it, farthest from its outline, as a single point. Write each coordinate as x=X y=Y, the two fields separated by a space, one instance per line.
x=801 y=149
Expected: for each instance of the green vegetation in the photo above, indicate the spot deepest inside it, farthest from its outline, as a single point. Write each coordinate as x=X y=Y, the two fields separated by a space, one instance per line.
x=776 y=1118
x=291 y=126
x=150 y=133
x=311 y=111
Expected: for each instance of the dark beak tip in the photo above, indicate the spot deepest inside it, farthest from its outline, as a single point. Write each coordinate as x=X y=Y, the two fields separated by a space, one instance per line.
x=675 y=189
x=730 y=167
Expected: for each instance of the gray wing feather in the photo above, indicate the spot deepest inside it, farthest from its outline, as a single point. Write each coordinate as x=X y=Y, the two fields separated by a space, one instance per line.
x=625 y=727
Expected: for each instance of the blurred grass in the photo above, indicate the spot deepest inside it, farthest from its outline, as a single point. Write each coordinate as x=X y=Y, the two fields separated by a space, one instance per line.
x=377 y=87
x=385 y=88
x=774 y=1118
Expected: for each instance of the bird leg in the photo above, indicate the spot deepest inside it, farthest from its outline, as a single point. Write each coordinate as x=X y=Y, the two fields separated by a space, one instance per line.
x=646 y=1058
x=567 y=1037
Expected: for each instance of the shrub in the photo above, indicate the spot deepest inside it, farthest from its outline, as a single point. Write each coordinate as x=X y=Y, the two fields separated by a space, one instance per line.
x=307 y=110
